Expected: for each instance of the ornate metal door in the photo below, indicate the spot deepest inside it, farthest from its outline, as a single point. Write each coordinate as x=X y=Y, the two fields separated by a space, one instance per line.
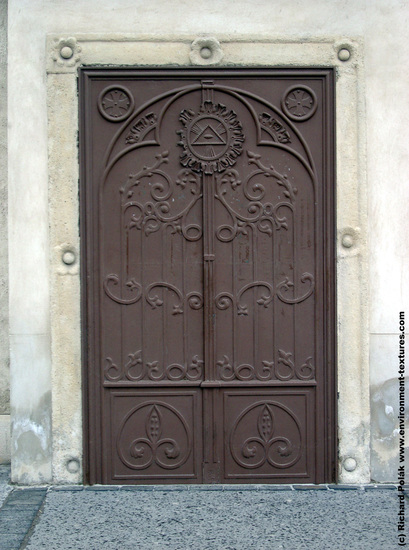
x=207 y=224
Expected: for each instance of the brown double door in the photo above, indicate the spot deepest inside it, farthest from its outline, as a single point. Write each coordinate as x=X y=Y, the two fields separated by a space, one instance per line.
x=207 y=237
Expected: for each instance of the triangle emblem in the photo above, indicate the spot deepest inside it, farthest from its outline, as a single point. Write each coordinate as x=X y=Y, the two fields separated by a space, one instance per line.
x=209 y=136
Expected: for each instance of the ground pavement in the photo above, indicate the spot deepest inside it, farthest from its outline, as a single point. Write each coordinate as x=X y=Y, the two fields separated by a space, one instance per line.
x=246 y=517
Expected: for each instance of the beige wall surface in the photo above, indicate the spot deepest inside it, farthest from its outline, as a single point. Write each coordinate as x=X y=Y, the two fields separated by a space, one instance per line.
x=372 y=195
x=4 y=310
x=4 y=348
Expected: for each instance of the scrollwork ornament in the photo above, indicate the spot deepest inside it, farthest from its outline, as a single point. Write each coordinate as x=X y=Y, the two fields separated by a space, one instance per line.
x=286 y=286
x=154 y=446
x=289 y=190
x=132 y=286
x=263 y=216
x=243 y=372
x=265 y=446
x=136 y=369
x=156 y=213
x=286 y=369
x=112 y=372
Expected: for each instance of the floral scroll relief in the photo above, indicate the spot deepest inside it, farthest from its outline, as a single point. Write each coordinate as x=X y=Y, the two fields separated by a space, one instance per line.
x=265 y=446
x=286 y=369
x=193 y=299
x=154 y=446
x=136 y=369
x=225 y=300
x=265 y=216
x=243 y=372
x=286 y=286
x=156 y=212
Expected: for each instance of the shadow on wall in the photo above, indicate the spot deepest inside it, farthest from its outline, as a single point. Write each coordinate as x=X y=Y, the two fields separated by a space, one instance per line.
x=385 y=429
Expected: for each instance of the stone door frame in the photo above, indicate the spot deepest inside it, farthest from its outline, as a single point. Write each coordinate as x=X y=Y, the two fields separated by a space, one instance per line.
x=64 y=55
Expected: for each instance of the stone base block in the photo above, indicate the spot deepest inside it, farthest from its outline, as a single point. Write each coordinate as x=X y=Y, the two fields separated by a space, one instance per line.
x=5 y=449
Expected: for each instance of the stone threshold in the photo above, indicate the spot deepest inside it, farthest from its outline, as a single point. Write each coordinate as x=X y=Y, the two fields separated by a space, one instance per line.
x=229 y=487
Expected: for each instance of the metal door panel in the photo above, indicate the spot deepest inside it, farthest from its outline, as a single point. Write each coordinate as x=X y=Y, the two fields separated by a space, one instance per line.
x=207 y=217
x=155 y=435
x=269 y=435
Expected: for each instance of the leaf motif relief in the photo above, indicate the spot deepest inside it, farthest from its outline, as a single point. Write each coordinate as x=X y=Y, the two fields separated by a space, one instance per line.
x=154 y=425
x=241 y=228
x=242 y=310
x=285 y=358
x=249 y=452
x=172 y=451
x=135 y=179
x=305 y=372
x=194 y=371
x=264 y=300
x=175 y=228
x=286 y=450
x=265 y=423
x=135 y=363
x=137 y=452
x=289 y=190
x=230 y=177
x=160 y=421
x=187 y=177
x=132 y=284
x=155 y=301
x=226 y=369
x=154 y=370
x=286 y=284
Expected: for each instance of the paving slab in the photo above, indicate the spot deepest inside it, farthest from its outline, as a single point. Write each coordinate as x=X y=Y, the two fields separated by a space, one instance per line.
x=234 y=519
x=17 y=515
x=5 y=487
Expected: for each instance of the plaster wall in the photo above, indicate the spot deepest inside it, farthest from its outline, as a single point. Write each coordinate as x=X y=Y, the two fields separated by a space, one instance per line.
x=4 y=351
x=4 y=329
x=43 y=192
x=388 y=193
